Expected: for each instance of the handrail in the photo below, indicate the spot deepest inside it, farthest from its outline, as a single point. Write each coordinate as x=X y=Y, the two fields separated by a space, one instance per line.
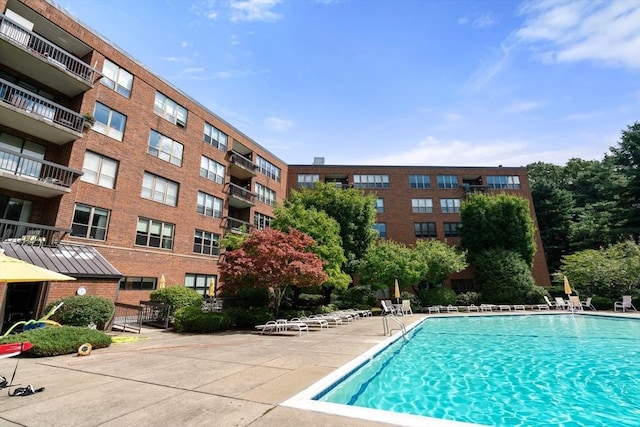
x=25 y=165
x=385 y=324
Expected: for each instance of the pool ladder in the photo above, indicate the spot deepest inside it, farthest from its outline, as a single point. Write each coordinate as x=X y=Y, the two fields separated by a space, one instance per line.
x=387 y=330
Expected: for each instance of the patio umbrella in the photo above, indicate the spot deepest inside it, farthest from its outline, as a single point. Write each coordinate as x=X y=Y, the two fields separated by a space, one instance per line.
x=396 y=292
x=15 y=270
x=567 y=286
x=162 y=282
x=212 y=289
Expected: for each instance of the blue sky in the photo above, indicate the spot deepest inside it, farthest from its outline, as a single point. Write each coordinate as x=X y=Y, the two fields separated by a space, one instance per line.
x=396 y=82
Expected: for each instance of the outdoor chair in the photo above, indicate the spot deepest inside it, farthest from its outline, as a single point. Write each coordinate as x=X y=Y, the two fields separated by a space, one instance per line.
x=562 y=304
x=406 y=307
x=625 y=304
x=549 y=303
x=472 y=307
x=588 y=304
x=575 y=304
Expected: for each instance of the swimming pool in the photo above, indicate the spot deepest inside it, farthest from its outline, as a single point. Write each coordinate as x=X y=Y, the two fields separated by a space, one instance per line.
x=542 y=370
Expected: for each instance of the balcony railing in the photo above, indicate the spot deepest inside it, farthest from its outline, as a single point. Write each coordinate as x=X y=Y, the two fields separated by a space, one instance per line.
x=26 y=233
x=240 y=160
x=37 y=105
x=24 y=165
x=241 y=193
x=47 y=50
x=468 y=189
x=236 y=225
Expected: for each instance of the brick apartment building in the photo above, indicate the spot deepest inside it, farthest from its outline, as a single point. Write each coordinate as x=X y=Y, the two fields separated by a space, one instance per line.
x=420 y=202
x=145 y=189
x=113 y=176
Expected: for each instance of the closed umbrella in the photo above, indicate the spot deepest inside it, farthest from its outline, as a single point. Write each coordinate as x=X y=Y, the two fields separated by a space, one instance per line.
x=396 y=292
x=567 y=286
x=212 y=289
x=13 y=270
x=162 y=282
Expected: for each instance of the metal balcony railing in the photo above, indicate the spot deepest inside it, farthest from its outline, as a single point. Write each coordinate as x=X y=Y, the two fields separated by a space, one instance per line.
x=468 y=189
x=26 y=233
x=24 y=165
x=236 y=225
x=240 y=160
x=46 y=50
x=34 y=104
x=241 y=193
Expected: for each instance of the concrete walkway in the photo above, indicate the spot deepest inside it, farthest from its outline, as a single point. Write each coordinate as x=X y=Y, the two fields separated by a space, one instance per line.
x=226 y=379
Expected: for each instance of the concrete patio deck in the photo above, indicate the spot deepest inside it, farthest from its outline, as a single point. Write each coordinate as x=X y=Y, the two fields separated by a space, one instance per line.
x=224 y=379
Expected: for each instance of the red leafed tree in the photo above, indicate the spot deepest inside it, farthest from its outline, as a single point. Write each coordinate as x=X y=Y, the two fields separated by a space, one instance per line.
x=274 y=260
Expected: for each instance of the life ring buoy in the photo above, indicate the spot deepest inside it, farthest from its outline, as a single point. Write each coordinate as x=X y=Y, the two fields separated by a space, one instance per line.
x=84 y=349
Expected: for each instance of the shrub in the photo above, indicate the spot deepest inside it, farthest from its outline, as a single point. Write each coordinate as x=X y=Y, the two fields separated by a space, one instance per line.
x=252 y=297
x=177 y=297
x=437 y=296
x=193 y=319
x=468 y=298
x=357 y=297
x=310 y=300
x=243 y=318
x=602 y=303
x=83 y=311
x=54 y=341
x=536 y=295
x=504 y=276
x=416 y=306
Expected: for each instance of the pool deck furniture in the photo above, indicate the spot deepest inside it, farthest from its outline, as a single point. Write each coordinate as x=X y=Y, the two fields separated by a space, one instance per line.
x=331 y=319
x=268 y=327
x=541 y=306
x=434 y=309
x=406 y=307
x=549 y=303
x=562 y=304
x=625 y=304
x=451 y=308
x=312 y=322
x=588 y=304
x=285 y=325
x=472 y=307
x=504 y=307
x=575 y=304
x=517 y=307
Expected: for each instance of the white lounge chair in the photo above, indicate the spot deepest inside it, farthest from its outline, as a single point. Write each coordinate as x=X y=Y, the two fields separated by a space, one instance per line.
x=562 y=304
x=321 y=323
x=472 y=307
x=588 y=304
x=504 y=307
x=268 y=327
x=388 y=308
x=434 y=309
x=625 y=304
x=549 y=303
x=284 y=325
x=451 y=308
x=518 y=307
x=406 y=307
x=575 y=304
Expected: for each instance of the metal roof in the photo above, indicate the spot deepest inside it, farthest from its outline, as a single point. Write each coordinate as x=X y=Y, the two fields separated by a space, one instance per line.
x=78 y=261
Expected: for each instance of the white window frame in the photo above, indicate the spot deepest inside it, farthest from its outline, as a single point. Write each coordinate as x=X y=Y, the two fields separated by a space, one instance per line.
x=170 y=110
x=265 y=194
x=107 y=128
x=214 y=136
x=450 y=205
x=105 y=173
x=116 y=78
x=159 y=189
x=209 y=205
x=212 y=170
x=422 y=205
x=91 y=226
x=165 y=148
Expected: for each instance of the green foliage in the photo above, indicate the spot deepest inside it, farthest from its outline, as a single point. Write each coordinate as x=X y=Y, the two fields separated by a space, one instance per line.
x=536 y=296
x=500 y=221
x=54 y=341
x=440 y=260
x=503 y=277
x=248 y=318
x=387 y=261
x=352 y=209
x=248 y=297
x=357 y=297
x=310 y=300
x=626 y=158
x=177 y=297
x=468 y=298
x=83 y=310
x=193 y=319
x=602 y=303
x=416 y=305
x=437 y=296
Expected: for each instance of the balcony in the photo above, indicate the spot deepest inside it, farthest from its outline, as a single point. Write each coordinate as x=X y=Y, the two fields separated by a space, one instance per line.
x=469 y=189
x=26 y=233
x=37 y=116
x=241 y=167
x=235 y=225
x=43 y=61
x=239 y=197
x=26 y=174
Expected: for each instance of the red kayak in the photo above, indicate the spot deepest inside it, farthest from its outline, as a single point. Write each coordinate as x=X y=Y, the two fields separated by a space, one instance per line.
x=14 y=349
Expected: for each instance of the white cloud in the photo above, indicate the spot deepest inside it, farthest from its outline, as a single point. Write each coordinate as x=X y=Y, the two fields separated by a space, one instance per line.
x=523 y=106
x=172 y=59
x=253 y=10
x=463 y=20
x=487 y=71
x=193 y=70
x=184 y=45
x=607 y=33
x=483 y=21
x=277 y=125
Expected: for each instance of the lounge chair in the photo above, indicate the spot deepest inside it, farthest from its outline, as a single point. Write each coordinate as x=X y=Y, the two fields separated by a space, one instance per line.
x=321 y=323
x=451 y=308
x=504 y=307
x=285 y=325
x=588 y=304
x=562 y=304
x=388 y=308
x=549 y=303
x=406 y=307
x=472 y=307
x=268 y=327
x=575 y=304
x=518 y=307
x=625 y=304
x=434 y=309
x=486 y=307
x=332 y=320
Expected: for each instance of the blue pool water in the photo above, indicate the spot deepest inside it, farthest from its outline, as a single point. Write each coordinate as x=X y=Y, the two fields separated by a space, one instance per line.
x=559 y=370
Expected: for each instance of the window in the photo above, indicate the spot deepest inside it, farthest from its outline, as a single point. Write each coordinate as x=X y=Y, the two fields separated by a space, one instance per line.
x=419 y=181
x=381 y=228
x=424 y=229
x=307 y=180
x=10 y=160
x=165 y=148
x=138 y=283
x=380 y=205
x=212 y=170
x=266 y=195
x=450 y=205
x=447 y=181
x=261 y=221
x=206 y=243
x=422 y=205
x=90 y=222
x=99 y=170
x=209 y=205
x=463 y=285
x=109 y=122
x=452 y=229
x=155 y=234
x=116 y=78
x=215 y=137
x=170 y=110
x=159 y=189
x=201 y=282
x=508 y=182
x=371 y=181
x=268 y=169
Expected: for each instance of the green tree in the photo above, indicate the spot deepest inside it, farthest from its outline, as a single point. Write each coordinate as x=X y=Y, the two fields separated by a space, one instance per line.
x=503 y=276
x=499 y=221
x=626 y=158
x=325 y=231
x=352 y=209
x=387 y=261
x=440 y=260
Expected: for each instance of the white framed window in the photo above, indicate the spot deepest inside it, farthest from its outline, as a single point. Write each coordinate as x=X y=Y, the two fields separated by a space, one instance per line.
x=381 y=228
x=380 y=205
x=165 y=148
x=155 y=234
x=159 y=189
x=261 y=221
x=212 y=170
x=424 y=229
x=265 y=194
x=371 y=181
x=267 y=168
x=422 y=205
x=99 y=170
x=447 y=181
x=170 y=110
x=109 y=122
x=419 y=181
x=206 y=243
x=215 y=137
x=90 y=222
x=450 y=205
x=201 y=282
x=209 y=205
x=307 y=180
x=452 y=229
x=116 y=78
x=504 y=182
